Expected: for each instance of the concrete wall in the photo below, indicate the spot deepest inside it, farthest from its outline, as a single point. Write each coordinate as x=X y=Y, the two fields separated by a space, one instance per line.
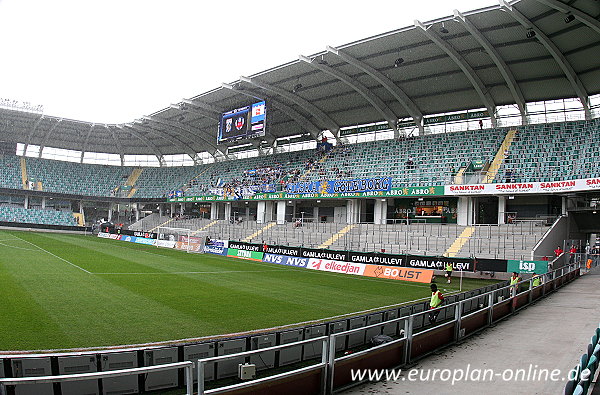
x=555 y=236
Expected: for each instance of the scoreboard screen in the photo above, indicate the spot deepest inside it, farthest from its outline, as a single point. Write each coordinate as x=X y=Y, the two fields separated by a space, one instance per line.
x=243 y=123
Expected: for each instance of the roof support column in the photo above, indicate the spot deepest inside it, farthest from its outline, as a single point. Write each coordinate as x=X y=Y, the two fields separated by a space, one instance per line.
x=556 y=54
x=460 y=61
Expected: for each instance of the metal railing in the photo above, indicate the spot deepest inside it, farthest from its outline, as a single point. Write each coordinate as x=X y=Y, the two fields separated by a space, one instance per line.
x=458 y=310
x=202 y=362
x=187 y=365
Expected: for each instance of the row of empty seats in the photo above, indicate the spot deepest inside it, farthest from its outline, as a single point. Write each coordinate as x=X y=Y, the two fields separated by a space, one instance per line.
x=75 y=178
x=433 y=158
x=553 y=152
x=36 y=216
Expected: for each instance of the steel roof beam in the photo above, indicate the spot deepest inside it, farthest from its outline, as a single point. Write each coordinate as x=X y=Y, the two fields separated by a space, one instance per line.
x=214 y=115
x=184 y=133
x=493 y=53
x=556 y=54
x=460 y=61
x=362 y=90
x=183 y=128
x=582 y=17
x=171 y=139
x=310 y=108
x=35 y=126
x=387 y=83
x=47 y=136
x=118 y=146
x=206 y=106
x=85 y=142
x=300 y=119
x=159 y=155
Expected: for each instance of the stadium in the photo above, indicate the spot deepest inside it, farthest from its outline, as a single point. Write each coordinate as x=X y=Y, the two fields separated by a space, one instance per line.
x=283 y=231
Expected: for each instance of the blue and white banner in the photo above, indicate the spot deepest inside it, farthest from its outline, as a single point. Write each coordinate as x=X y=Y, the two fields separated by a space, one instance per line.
x=131 y=239
x=142 y=240
x=342 y=186
x=285 y=260
x=217 y=250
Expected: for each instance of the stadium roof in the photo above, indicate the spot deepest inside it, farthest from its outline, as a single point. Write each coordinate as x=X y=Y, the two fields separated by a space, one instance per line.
x=514 y=53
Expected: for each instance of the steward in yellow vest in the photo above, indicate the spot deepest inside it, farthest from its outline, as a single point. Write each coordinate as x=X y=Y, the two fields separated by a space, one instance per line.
x=436 y=301
x=449 y=272
x=513 y=283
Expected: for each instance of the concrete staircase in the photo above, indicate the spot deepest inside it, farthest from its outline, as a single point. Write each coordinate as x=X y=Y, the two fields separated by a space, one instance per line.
x=132 y=179
x=499 y=158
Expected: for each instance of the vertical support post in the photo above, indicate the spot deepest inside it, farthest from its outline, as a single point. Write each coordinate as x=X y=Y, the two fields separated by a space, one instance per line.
x=331 y=364
x=200 y=377
x=491 y=307
x=408 y=332
x=457 y=319
x=324 y=360
x=544 y=279
x=189 y=379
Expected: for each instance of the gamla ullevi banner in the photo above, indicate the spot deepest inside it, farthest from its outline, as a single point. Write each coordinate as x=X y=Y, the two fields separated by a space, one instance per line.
x=587 y=184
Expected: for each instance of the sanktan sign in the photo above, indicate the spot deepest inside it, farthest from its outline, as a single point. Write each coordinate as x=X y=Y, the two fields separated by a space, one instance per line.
x=586 y=184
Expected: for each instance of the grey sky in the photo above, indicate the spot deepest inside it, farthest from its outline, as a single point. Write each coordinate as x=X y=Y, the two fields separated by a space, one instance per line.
x=112 y=61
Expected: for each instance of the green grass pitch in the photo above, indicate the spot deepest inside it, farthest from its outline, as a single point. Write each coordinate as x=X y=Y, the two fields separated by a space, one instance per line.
x=65 y=291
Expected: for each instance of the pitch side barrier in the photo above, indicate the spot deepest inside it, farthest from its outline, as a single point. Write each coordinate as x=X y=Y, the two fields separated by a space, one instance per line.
x=301 y=257
x=26 y=225
x=372 y=264
x=316 y=358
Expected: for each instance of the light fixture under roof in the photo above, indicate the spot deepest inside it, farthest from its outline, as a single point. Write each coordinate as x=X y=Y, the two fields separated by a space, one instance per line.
x=443 y=29
x=321 y=60
x=398 y=62
x=530 y=33
x=569 y=18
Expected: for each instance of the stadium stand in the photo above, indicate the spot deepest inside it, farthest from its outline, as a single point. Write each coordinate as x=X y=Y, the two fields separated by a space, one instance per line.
x=238 y=172
x=545 y=152
x=10 y=177
x=76 y=178
x=498 y=241
x=553 y=152
x=36 y=216
x=156 y=182
x=435 y=157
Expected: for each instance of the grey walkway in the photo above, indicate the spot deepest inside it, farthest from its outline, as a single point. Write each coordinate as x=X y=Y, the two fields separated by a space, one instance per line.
x=550 y=334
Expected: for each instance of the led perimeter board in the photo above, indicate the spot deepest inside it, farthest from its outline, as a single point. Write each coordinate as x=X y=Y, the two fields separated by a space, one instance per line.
x=243 y=123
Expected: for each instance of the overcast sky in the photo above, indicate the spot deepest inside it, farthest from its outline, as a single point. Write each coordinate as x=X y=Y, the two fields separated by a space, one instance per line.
x=113 y=61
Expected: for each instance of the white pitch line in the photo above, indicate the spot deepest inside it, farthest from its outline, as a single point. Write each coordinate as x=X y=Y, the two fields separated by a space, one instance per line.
x=56 y=256
x=18 y=248
x=217 y=272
